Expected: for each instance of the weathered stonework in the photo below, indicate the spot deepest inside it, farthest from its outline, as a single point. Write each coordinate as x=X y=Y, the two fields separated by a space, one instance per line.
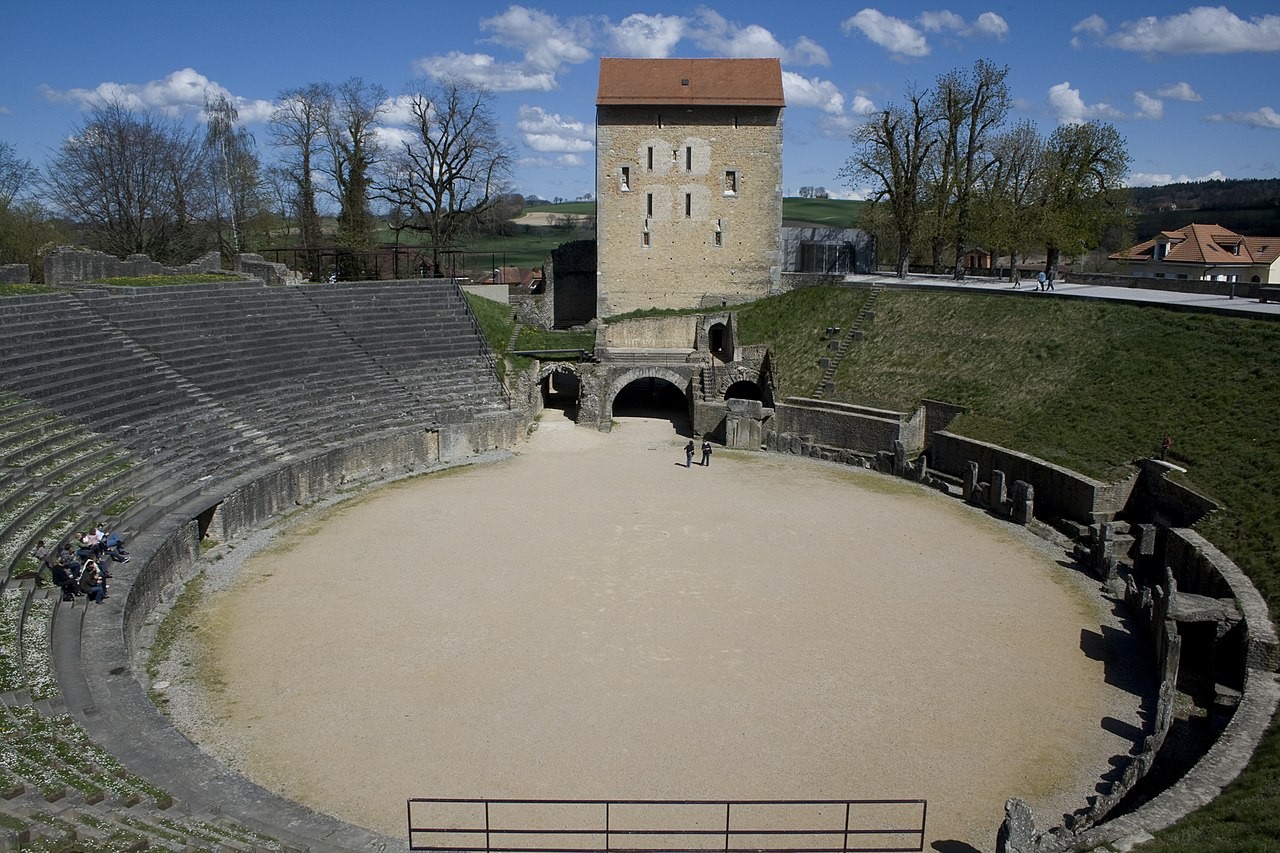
x=688 y=195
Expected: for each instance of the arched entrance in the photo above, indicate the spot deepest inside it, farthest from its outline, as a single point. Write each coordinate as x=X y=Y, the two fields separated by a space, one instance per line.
x=560 y=387
x=653 y=393
x=719 y=343
x=744 y=389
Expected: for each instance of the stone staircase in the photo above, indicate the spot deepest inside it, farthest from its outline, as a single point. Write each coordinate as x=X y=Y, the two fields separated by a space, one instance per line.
x=826 y=384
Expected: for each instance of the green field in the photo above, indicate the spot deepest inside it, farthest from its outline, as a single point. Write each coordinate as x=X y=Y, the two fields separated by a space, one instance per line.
x=1091 y=386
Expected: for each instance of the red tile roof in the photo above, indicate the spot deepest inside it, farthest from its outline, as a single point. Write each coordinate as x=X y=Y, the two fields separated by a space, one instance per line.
x=727 y=82
x=1206 y=244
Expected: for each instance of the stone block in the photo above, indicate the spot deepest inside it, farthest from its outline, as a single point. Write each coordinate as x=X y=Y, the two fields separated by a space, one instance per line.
x=997 y=495
x=970 y=481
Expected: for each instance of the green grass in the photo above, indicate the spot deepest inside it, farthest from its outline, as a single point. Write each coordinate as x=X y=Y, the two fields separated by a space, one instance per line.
x=1091 y=386
x=161 y=280
x=537 y=339
x=565 y=208
x=794 y=326
x=25 y=289
x=824 y=211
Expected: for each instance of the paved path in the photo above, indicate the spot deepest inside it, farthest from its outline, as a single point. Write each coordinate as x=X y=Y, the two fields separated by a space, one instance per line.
x=1199 y=302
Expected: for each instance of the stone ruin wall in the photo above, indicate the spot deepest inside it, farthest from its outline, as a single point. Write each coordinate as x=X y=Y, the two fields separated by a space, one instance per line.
x=68 y=265
x=15 y=274
x=676 y=332
x=1019 y=486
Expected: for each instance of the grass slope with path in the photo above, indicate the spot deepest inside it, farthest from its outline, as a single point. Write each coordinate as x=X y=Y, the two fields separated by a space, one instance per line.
x=1091 y=386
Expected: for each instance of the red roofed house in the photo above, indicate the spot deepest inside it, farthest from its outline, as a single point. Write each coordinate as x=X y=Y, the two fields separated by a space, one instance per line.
x=688 y=182
x=1207 y=253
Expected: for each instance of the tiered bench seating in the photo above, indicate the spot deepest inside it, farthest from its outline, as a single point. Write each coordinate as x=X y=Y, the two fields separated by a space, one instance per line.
x=134 y=405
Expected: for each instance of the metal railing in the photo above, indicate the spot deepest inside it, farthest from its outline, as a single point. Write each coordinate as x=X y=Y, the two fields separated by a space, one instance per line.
x=453 y=825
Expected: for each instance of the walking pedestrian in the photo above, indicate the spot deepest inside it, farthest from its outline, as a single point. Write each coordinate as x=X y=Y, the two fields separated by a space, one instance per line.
x=688 y=454
x=706 y=453
x=1050 y=280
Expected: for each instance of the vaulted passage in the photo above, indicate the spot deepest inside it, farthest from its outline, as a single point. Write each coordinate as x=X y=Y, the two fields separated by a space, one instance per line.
x=653 y=397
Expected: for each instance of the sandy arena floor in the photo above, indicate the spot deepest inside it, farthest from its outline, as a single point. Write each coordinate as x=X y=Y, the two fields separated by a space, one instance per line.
x=591 y=620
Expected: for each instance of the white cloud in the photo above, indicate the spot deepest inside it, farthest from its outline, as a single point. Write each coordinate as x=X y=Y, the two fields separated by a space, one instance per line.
x=1261 y=117
x=715 y=34
x=546 y=42
x=1179 y=92
x=564 y=161
x=1203 y=29
x=181 y=93
x=1148 y=107
x=1069 y=106
x=646 y=36
x=812 y=92
x=991 y=25
x=893 y=34
x=938 y=22
x=1093 y=25
x=484 y=70
x=1155 y=179
x=549 y=133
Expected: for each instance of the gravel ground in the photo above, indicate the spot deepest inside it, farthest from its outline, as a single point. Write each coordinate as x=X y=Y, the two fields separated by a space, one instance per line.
x=589 y=619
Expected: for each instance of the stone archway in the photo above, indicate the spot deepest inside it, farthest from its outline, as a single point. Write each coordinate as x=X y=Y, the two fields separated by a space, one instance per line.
x=657 y=380
x=744 y=389
x=560 y=387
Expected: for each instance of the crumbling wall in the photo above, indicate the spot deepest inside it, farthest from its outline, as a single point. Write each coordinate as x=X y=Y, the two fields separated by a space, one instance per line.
x=15 y=274
x=71 y=265
x=266 y=271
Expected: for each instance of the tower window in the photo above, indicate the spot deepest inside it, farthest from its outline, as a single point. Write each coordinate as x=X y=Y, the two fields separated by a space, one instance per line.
x=731 y=182
x=650 y=158
x=626 y=179
x=688 y=158
x=648 y=204
x=644 y=239
x=688 y=205
x=719 y=232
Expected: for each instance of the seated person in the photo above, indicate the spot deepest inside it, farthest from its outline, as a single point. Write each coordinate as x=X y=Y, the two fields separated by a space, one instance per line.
x=61 y=578
x=109 y=545
x=92 y=583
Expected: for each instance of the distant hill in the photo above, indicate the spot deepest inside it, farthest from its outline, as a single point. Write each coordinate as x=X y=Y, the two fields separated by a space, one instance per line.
x=1250 y=207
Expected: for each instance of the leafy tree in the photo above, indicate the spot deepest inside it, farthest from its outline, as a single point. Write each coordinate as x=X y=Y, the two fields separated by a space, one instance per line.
x=297 y=127
x=235 y=171
x=974 y=105
x=25 y=230
x=453 y=171
x=1006 y=213
x=353 y=150
x=892 y=150
x=1082 y=196
x=135 y=183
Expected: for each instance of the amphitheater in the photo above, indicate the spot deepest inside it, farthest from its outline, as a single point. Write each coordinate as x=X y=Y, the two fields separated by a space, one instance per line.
x=207 y=414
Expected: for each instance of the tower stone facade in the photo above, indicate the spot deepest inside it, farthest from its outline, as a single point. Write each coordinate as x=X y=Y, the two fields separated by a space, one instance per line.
x=688 y=182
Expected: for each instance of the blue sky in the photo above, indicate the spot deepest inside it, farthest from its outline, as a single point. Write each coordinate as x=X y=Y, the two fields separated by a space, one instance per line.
x=1186 y=86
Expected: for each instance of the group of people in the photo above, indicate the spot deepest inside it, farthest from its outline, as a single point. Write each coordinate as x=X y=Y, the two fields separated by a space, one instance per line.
x=1043 y=282
x=706 y=453
x=82 y=570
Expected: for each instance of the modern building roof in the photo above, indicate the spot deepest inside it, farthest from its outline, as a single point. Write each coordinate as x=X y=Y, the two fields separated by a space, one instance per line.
x=1205 y=244
x=704 y=82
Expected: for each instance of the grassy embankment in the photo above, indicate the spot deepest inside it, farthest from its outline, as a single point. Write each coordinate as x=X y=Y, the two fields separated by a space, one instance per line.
x=1091 y=386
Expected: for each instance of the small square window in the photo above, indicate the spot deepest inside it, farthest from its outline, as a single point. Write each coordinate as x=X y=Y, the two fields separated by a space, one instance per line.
x=731 y=183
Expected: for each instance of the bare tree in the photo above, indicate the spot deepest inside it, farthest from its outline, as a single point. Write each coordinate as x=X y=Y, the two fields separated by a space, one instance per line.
x=455 y=168
x=297 y=128
x=134 y=182
x=17 y=176
x=235 y=171
x=892 y=150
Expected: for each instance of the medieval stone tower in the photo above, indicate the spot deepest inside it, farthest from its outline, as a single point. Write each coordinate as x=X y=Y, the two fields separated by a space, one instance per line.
x=688 y=182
